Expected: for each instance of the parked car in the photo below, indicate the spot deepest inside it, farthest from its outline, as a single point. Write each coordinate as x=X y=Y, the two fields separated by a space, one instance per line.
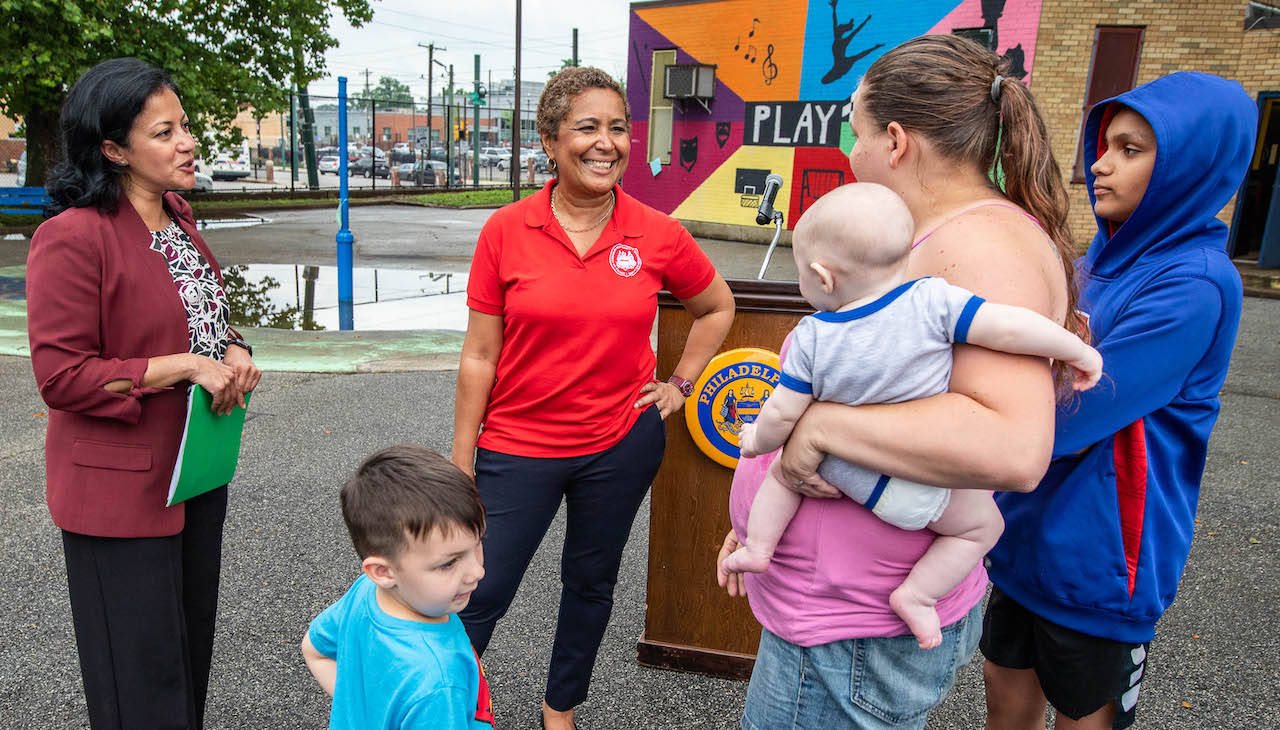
x=405 y=155
x=330 y=164
x=525 y=154
x=409 y=172
x=367 y=167
x=204 y=183
x=489 y=156
x=226 y=168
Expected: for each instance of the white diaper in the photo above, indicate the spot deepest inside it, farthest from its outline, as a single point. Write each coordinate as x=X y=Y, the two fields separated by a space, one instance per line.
x=909 y=505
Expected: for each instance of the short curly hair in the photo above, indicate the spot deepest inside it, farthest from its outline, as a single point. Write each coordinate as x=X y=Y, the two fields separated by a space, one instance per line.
x=564 y=87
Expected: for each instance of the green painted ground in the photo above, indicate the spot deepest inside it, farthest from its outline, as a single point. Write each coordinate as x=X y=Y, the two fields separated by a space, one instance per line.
x=294 y=351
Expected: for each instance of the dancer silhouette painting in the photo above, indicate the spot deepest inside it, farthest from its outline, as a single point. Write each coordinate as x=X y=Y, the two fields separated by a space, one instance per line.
x=843 y=34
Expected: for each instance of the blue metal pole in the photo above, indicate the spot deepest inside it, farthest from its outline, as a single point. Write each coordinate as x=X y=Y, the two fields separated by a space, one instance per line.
x=345 y=239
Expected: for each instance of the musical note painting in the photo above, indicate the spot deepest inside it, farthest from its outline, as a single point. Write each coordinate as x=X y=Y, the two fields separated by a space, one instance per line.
x=784 y=73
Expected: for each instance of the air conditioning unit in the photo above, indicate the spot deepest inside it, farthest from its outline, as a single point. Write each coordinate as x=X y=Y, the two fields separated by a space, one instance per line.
x=690 y=81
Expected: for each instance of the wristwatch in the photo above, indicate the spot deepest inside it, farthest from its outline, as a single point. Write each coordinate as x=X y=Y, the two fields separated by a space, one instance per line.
x=685 y=387
x=239 y=342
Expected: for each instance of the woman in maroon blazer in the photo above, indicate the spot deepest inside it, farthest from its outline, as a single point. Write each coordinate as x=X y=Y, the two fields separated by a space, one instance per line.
x=125 y=308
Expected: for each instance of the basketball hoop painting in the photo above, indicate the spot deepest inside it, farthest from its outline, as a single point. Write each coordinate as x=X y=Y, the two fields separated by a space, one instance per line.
x=728 y=395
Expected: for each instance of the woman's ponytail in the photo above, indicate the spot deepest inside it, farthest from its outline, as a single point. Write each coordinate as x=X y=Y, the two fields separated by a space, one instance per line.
x=1033 y=181
x=961 y=97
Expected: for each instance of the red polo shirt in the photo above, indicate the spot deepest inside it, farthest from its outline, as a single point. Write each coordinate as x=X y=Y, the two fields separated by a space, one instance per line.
x=575 y=348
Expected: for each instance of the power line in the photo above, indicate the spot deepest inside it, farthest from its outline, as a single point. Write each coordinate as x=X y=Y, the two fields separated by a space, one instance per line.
x=549 y=47
x=489 y=29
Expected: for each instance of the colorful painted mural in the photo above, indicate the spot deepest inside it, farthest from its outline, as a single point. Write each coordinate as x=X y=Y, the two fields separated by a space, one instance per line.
x=785 y=71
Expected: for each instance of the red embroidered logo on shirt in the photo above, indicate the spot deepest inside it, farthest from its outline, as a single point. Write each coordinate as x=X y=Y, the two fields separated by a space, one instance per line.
x=625 y=260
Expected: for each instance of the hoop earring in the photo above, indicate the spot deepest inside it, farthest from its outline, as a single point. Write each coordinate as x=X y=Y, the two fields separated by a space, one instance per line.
x=552 y=165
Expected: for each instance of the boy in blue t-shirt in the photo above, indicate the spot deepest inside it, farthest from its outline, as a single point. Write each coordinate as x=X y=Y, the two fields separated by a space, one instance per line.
x=392 y=652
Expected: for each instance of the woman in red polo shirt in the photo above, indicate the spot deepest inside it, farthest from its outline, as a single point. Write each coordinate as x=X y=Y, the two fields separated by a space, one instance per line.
x=556 y=396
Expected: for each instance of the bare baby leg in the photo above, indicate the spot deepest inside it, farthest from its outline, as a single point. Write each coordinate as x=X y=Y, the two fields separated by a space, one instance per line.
x=771 y=512
x=968 y=528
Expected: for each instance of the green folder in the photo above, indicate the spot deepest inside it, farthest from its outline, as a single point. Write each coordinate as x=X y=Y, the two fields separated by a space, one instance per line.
x=209 y=450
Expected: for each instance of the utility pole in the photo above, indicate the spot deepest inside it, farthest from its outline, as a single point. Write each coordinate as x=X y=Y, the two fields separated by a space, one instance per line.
x=448 y=126
x=368 y=117
x=431 y=64
x=475 y=130
x=575 y=47
x=515 y=117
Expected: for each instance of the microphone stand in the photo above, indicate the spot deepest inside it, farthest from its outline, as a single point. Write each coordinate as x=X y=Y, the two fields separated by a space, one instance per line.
x=777 y=233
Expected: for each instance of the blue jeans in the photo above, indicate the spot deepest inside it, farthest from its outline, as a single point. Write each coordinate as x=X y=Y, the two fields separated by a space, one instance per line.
x=861 y=684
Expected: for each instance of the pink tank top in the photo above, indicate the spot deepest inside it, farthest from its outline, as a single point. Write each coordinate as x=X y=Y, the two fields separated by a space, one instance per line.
x=1010 y=206
x=835 y=566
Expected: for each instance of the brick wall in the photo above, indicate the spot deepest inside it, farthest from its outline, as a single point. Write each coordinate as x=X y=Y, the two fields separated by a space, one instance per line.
x=1181 y=35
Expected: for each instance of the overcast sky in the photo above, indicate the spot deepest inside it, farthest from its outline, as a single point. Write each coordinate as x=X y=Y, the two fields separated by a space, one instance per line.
x=388 y=46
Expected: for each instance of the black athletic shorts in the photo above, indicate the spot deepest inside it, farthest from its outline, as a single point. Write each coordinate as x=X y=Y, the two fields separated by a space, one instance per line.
x=1079 y=673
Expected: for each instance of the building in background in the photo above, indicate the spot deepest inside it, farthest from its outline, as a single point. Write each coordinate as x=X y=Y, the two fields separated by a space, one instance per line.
x=1091 y=50
x=784 y=72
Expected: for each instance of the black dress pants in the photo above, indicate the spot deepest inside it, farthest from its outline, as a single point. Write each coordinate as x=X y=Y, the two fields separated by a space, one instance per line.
x=602 y=494
x=144 y=611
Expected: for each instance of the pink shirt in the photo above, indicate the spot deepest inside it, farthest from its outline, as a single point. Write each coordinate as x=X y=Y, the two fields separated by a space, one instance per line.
x=835 y=567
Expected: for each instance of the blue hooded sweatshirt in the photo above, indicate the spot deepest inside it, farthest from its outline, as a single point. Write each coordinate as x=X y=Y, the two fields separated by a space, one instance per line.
x=1100 y=545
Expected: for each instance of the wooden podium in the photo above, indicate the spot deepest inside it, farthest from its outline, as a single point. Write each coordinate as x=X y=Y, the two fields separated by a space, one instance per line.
x=691 y=624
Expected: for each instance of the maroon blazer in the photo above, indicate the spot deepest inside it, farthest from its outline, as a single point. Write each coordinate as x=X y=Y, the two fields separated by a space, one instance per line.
x=100 y=302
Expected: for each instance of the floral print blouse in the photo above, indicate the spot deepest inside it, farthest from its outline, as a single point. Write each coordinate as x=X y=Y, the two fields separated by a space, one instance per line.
x=208 y=314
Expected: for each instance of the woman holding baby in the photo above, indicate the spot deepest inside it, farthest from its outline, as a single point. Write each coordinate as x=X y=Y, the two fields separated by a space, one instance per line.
x=933 y=118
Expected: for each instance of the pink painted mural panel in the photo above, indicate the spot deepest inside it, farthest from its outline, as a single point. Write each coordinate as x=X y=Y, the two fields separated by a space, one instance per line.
x=1016 y=24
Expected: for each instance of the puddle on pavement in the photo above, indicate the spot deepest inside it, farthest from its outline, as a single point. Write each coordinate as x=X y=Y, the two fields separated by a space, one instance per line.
x=13 y=287
x=287 y=296
x=213 y=224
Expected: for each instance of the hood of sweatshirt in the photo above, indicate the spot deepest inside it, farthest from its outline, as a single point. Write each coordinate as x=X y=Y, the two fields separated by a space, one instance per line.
x=1204 y=127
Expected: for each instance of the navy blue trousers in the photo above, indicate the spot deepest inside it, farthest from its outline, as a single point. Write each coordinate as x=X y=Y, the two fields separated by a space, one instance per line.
x=602 y=494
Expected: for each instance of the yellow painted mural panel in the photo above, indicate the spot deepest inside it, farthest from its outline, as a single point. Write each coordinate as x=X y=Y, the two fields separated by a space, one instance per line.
x=731 y=193
x=758 y=46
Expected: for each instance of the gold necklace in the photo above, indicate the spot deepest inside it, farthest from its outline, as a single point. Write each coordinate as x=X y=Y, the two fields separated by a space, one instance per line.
x=612 y=199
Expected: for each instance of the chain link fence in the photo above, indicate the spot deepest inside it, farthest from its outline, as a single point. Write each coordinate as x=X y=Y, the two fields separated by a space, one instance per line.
x=13 y=151
x=390 y=144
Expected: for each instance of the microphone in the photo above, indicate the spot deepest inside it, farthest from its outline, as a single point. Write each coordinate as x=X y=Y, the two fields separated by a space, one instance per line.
x=764 y=213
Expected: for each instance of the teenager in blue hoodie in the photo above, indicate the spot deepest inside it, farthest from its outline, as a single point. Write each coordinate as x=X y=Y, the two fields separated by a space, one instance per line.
x=1091 y=559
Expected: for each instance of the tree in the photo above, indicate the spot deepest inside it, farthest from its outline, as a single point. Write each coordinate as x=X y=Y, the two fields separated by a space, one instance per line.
x=564 y=63
x=223 y=54
x=388 y=89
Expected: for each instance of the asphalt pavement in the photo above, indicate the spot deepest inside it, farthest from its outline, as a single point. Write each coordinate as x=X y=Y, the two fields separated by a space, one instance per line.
x=286 y=554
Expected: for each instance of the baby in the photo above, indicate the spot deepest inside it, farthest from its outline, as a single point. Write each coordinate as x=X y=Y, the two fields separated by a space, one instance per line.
x=878 y=339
